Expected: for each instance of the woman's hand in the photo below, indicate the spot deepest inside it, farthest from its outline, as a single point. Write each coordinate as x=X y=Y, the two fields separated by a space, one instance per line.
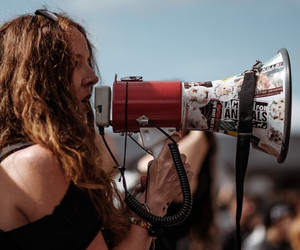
x=163 y=182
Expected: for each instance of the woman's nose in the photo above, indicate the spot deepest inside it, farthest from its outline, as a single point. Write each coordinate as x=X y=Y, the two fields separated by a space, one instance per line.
x=91 y=78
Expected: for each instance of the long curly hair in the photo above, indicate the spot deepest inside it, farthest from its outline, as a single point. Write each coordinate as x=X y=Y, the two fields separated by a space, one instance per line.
x=38 y=104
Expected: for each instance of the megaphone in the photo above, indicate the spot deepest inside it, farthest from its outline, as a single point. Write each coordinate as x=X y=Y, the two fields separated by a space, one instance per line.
x=254 y=106
x=204 y=105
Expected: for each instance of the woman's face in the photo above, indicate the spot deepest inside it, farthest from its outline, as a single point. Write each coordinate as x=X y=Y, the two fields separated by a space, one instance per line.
x=83 y=76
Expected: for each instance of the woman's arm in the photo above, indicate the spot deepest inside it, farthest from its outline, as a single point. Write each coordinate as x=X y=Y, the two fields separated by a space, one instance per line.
x=162 y=188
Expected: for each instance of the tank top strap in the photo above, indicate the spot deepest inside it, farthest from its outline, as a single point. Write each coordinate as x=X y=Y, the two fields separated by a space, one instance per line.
x=6 y=151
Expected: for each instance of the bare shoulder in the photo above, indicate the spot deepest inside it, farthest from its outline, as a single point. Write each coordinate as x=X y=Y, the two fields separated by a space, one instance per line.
x=36 y=179
x=33 y=165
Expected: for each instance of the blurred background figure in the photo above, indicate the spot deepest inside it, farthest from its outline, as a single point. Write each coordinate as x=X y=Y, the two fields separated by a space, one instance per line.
x=278 y=222
x=252 y=224
x=294 y=233
x=199 y=231
x=255 y=202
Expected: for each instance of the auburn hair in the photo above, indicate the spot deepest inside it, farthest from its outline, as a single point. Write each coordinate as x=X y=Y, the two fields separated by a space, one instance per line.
x=38 y=104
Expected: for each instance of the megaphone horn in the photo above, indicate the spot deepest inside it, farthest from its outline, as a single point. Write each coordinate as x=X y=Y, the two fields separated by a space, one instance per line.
x=210 y=105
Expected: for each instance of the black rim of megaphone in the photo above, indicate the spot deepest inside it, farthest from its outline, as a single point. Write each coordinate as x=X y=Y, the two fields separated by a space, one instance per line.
x=288 y=106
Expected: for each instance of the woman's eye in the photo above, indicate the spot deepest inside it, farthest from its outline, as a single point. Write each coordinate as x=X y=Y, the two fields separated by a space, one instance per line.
x=76 y=63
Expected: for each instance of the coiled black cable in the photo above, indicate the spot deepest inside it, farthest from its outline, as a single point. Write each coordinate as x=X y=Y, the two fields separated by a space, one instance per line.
x=186 y=207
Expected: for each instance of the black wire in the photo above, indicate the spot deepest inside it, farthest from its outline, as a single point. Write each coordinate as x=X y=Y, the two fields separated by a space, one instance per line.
x=135 y=141
x=101 y=132
x=161 y=130
x=125 y=126
x=123 y=168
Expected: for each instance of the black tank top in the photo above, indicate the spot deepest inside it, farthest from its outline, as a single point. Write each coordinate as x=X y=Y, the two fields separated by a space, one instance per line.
x=73 y=224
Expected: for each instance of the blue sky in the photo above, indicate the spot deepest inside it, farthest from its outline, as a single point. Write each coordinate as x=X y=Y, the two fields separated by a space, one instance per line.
x=189 y=40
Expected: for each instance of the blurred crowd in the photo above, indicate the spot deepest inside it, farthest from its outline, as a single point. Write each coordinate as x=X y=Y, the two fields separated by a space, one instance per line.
x=270 y=217
x=270 y=220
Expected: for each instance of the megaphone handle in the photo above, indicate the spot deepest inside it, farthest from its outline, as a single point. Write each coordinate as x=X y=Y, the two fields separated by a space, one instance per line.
x=182 y=214
x=156 y=150
x=153 y=139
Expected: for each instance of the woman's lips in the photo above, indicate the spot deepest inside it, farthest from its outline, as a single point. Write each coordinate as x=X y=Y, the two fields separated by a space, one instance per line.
x=86 y=102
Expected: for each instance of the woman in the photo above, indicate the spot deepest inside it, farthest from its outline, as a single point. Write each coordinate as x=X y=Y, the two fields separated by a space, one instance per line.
x=55 y=189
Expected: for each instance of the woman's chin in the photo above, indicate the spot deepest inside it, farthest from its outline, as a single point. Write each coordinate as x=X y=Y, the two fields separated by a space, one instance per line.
x=84 y=109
